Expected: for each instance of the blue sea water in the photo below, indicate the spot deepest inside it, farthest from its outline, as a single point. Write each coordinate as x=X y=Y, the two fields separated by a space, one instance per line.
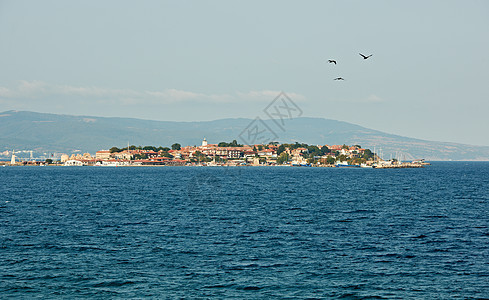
x=245 y=232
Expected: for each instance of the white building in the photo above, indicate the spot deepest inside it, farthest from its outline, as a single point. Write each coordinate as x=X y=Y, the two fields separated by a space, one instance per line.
x=103 y=154
x=64 y=158
x=12 y=161
x=76 y=163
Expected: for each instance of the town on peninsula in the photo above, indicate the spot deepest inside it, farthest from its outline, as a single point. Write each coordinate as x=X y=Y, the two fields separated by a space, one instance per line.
x=229 y=154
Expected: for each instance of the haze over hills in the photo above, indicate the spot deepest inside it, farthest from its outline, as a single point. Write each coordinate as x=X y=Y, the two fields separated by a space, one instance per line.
x=22 y=130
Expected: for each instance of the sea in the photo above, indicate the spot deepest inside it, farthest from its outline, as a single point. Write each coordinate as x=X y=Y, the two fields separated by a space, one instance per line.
x=245 y=232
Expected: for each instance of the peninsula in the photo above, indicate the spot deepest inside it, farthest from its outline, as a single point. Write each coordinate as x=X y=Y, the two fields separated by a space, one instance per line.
x=234 y=154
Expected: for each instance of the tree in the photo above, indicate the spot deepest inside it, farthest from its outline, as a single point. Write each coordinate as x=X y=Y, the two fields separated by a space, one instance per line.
x=200 y=157
x=234 y=143
x=297 y=145
x=283 y=157
x=166 y=154
x=260 y=147
x=176 y=146
x=141 y=156
x=325 y=150
x=357 y=161
x=367 y=154
x=280 y=149
x=114 y=149
x=314 y=150
x=152 y=148
x=164 y=149
x=49 y=161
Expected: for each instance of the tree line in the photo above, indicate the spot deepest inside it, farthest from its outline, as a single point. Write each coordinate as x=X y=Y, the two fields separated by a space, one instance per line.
x=175 y=146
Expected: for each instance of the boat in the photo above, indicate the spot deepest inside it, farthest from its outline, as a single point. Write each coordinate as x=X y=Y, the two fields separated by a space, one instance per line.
x=345 y=164
x=421 y=162
x=112 y=163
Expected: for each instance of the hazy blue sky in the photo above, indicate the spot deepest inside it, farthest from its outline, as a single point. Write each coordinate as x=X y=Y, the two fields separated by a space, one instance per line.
x=203 y=60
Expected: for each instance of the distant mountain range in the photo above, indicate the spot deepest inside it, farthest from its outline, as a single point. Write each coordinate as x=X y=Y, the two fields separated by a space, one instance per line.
x=22 y=130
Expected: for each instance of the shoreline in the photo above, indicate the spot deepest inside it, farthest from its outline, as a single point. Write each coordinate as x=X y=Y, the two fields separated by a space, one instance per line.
x=402 y=166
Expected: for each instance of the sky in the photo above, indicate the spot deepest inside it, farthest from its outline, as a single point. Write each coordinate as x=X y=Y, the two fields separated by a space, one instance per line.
x=427 y=78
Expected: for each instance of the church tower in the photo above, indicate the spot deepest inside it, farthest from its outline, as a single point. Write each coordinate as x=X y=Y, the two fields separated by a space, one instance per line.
x=12 y=161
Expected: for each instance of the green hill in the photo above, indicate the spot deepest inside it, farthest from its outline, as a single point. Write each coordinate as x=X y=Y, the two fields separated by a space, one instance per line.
x=21 y=130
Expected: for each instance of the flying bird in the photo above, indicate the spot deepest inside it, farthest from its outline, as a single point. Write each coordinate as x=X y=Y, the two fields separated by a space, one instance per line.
x=365 y=57
x=339 y=78
x=332 y=61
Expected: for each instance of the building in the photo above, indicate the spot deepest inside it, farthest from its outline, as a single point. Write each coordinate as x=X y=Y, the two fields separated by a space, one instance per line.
x=267 y=153
x=103 y=154
x=73 y=162
x=124 y=155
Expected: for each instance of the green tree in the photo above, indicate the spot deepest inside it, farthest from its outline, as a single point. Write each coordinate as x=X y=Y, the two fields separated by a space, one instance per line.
x=234 y=143
x=176 y=146
x=141 y=156
x=199 y=156
x=314 y=150
x=325 y=150
x=283 y=157
x=114 y=150
x=368 y=154
x=260 y=147
x=49 y=161
x=297 y=145
x=166 y=154
x=280 y=149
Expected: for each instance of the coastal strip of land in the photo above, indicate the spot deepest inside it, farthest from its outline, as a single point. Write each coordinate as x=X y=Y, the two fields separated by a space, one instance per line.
x=229 y=154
